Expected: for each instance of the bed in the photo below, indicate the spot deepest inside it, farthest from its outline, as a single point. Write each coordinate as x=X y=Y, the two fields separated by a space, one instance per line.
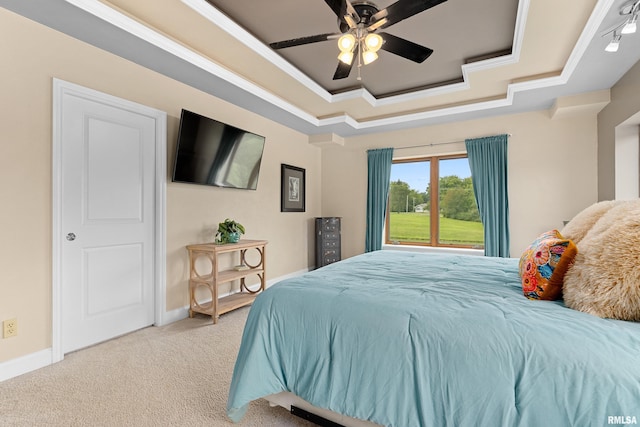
x=409 y=339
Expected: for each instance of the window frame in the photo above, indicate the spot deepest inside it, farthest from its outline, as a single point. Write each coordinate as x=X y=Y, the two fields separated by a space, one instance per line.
x=434 y=172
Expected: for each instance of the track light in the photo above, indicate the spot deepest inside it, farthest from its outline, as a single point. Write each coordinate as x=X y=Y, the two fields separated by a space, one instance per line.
x=630 y=27
x=631 y=9
x=614 y=44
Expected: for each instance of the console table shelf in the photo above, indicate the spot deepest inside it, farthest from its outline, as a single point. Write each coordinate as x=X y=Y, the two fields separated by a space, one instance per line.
x=215 y=278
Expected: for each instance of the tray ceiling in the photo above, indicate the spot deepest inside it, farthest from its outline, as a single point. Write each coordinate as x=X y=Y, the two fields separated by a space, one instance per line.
x=490 y=58
x=458 y=32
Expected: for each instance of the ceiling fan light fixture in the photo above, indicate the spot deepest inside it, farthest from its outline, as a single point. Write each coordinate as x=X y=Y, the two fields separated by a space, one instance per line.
x=346 y=57
x=373 y=42
x=368 y=56
x=358 y=20
x=347 y=42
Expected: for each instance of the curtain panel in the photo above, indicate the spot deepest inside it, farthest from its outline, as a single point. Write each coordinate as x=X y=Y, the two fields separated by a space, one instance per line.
x=379 y=174
x=488 y=164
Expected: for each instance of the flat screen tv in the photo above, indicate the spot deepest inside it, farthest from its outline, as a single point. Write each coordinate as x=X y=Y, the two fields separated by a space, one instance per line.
x=210 y=152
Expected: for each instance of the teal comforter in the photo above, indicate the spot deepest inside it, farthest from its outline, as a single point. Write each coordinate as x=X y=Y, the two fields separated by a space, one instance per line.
x=409 y=339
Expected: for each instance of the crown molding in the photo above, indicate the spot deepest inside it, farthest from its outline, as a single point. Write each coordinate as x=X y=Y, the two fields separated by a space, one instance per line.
x=219 y=19
x=161 y=41
x=120 y=20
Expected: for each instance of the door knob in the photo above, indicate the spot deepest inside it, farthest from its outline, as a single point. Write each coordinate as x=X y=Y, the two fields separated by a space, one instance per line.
x=71 y=237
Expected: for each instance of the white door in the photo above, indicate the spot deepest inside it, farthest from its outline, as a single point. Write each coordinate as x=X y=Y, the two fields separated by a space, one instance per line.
x=107 y=173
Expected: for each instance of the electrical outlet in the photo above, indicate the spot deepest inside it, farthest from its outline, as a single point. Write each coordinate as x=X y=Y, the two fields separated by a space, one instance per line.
x=10 y=328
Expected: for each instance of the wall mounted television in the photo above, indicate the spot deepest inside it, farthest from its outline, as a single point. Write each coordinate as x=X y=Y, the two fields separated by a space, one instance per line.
x=210 y=152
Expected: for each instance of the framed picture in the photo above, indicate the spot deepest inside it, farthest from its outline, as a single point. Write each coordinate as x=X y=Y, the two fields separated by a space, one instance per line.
x=292 y=187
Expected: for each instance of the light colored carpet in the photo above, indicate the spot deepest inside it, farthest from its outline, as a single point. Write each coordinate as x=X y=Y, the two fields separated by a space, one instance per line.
x=175 y=375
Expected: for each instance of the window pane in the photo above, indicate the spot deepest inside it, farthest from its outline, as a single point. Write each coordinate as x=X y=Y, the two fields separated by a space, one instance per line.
x=408 y=202
x=459 y=219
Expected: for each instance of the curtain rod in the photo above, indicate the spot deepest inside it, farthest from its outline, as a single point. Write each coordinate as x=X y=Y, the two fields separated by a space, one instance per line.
x=439 y=143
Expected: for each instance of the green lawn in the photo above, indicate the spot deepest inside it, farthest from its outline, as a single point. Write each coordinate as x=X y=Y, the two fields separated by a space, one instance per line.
x=414 y=227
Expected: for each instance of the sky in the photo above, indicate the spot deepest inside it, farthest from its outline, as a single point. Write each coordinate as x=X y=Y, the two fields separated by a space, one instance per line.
x=416 y=174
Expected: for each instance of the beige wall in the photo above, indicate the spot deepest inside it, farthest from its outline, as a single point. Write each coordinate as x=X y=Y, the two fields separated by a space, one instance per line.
x=30 y=60
x=552 y=175
x=552 y=166
x=625 y=103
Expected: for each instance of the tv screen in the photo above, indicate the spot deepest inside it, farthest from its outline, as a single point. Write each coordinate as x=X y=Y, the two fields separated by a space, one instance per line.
x=210 y=152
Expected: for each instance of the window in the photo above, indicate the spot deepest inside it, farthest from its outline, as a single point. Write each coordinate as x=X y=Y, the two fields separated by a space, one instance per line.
x=440 y=184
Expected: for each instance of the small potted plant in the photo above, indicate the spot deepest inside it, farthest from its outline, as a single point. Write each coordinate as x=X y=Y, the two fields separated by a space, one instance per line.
x=229 y=231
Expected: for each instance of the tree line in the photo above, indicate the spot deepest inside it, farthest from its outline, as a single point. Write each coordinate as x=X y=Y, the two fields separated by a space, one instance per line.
x=456 y=200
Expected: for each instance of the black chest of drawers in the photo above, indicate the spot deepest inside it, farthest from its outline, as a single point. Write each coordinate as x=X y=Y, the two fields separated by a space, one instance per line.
x=328 y=244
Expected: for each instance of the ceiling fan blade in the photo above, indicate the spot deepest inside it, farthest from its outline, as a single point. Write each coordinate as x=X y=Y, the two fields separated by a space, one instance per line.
x=339 y=7
x=352 y=18
x=402 y=9
x=405 y=48
x=345 y=12
x=343 y=70
x=303 y=40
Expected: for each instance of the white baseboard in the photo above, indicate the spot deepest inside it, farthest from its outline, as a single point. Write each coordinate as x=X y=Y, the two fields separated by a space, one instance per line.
x=21 y=365
x=174 y=315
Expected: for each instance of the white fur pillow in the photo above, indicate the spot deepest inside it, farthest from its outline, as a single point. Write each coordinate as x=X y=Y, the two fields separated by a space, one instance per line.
x=604 y=279
x=580 y=225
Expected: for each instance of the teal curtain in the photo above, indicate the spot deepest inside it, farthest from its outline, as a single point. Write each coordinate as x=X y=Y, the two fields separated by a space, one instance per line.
x=379 y=172
x=488 y=164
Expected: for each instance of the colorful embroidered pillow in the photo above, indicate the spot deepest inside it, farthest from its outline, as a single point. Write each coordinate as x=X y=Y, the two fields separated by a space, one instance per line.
x=544 y=264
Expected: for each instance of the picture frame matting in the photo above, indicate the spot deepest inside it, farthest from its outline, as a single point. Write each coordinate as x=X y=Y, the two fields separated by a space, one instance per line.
x=293 y=186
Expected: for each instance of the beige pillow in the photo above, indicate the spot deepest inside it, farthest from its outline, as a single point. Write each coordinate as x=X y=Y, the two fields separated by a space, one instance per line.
x=604 y=279
x=578 y=227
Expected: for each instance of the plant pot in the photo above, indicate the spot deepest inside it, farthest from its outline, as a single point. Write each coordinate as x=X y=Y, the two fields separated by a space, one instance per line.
x=234 y=237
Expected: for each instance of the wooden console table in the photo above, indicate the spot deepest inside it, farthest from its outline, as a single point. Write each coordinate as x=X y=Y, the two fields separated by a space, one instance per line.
x=211 y=281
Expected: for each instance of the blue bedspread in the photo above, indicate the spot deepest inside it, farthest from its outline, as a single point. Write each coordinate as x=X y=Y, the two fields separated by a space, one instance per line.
x=409 y=339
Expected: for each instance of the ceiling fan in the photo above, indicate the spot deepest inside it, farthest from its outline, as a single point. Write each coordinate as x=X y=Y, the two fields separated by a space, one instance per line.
x=359 y=36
